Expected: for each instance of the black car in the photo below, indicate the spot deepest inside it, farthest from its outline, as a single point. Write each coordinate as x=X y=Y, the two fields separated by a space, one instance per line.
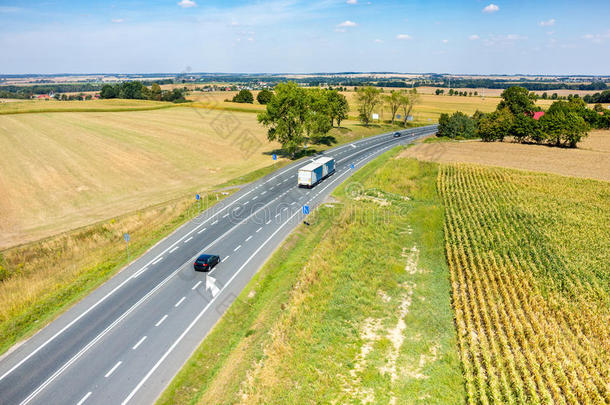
x=397 y=134
x=206 y=262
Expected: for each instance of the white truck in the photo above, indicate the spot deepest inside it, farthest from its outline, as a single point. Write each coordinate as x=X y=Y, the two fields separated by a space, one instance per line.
x=314 y=172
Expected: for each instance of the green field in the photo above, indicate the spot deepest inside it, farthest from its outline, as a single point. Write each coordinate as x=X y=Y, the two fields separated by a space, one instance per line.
x=354 y=308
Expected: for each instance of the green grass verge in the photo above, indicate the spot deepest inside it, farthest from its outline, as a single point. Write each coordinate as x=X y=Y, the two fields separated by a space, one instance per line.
x=299 y=329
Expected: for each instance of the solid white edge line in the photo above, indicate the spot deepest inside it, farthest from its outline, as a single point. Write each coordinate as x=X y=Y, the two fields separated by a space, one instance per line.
x=139 y=343
x=83 y=399
x=160 y=321
x=112 y=370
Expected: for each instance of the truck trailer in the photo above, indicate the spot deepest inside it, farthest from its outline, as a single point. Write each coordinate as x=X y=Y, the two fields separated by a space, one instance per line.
x=314 y=172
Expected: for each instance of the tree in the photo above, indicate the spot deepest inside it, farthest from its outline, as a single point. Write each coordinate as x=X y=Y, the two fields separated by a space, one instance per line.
x=393 y=100
x=408 y=99
x=318 y=119
x=496 y=125
x=244 y=96
x=131 y=90
x=368 y=98
x=518 y=100
x=598 y=107
x=264 y=96
x=563 y=125
x=285 y=116
x=526 y=128
x=458 y=125
x=155 y=92
x=108 y=91
x=339 y=106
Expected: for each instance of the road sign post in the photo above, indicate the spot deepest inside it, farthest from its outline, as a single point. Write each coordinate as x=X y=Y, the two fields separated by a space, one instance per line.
x=305 y=209
x=127 y=238
x=351 y=166
x=198 y=197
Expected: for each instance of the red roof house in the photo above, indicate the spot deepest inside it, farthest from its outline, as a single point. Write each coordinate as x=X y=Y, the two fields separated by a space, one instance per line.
x=537 y=115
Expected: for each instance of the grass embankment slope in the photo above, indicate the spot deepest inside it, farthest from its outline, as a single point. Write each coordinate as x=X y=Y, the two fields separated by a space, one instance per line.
x=353 y=308
x=39 y=280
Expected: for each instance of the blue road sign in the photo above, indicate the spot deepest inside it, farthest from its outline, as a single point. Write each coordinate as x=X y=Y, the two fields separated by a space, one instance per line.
x=305 y=209
x=351 y=166
x=197 y=197
x=126 y=237
x=274 y=156
x=397 y=116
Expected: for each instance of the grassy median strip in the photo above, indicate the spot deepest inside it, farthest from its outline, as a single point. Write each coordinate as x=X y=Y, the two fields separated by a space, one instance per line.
x=353 y=308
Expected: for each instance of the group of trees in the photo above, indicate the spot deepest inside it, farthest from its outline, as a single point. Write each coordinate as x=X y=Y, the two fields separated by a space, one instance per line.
x=603 y=97
x=246 y=96
x=452 y=92
x=295 y=115
x=369 y=98
x=565 y=123
x=137 y=90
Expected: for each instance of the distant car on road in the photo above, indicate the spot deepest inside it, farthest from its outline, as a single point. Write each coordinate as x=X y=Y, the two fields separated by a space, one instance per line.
x=397 y=134
x=206 y=262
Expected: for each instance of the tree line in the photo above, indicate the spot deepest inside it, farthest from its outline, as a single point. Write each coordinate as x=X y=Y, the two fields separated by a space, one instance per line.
x=138 y=91
x=565 y=123
x=296 y=115
x=399 y=102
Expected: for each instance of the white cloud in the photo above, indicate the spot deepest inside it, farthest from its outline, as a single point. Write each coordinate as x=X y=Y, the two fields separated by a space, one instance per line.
x=117 y=20
x=491 y=8
x=547 y=23
x=352 y=1
x=187 y=3
x=474 y=37
x=597 y=38
x=379 y=41
x=445 y=41
x=515 y=37
x=346 y=24
x=403 y=36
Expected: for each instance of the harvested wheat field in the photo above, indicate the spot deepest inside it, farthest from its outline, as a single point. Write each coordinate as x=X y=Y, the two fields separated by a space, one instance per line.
x=529 y=258
x=59 y=171
x=590 y=160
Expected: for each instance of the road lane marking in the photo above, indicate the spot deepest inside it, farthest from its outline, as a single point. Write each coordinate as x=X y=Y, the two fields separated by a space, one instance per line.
x=139 y=343
x=142 y=270
x=247 y=202
x=264 y=192
x=179 y=302
x=237 y=248
x=158 y=260
x=161 y=320
x=196 y=285
x=278 y=215
x=201 y=230
x=225 y=215
x=248 y=238
x=258 y=230
x=225 y=258
x=174 y=249
x=255 y=197
x=268 y=222
x=109 y=373
x=188 y=240
x=83 y=399
x=292 y=203
x=215 y=222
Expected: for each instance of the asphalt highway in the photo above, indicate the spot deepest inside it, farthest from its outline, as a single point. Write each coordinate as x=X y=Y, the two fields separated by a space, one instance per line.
x=125 y=341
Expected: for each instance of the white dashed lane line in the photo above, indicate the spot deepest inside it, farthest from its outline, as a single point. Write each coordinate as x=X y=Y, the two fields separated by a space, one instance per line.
x=255 y=197
x=237 y=248
x=109 y=373
x=179 y=302
x=139 y=343
x=259 y=229
x=215 y=222
x=200 y=231
x=196 y=285
x=292 y=203
x=226 y=257
x=82 y=401
x=188 y=239
x=158 y=260
x=161 y=320
x=264 y=192
x=225 y=215
x=268 y=222
x=248 y=238
x=174 y=249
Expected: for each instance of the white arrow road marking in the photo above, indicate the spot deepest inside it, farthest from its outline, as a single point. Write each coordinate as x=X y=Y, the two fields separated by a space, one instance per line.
x=210 y=284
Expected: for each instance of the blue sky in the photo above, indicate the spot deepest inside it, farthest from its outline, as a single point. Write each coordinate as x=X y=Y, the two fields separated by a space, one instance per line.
x=479 y=37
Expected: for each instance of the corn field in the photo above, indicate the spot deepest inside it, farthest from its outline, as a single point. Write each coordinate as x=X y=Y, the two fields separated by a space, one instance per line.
x=529 y=255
